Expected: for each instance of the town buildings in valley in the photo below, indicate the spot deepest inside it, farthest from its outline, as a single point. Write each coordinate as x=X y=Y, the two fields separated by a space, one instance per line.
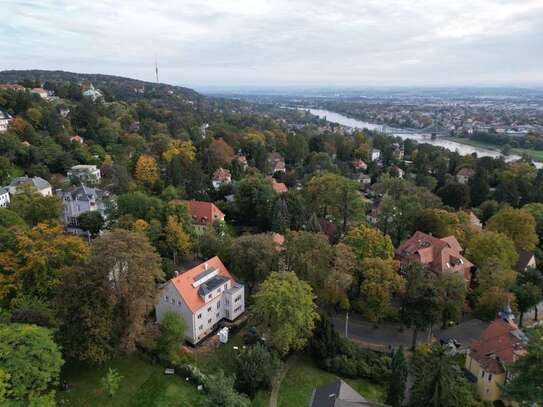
x=203 y=296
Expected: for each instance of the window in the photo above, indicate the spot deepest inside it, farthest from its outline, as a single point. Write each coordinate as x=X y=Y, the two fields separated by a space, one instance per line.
x=209 y=296
x=237 y=298
x=201 y=327
x=218 y=304
x=209 y=321
x=490 y=377
x=173 y=300
x=179 y=303
x=226 y=286
x=237 y=309
x=217 y=315
x=482 y=373
x=167 y=298
x=199 y=316
x=209 y=309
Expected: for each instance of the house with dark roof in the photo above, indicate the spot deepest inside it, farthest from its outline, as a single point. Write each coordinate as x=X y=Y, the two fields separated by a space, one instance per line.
x=500 y=344
x=203 y=296
x=438 y=255
x=339 y=394
x=526 y=260
x=79 y=200
x=38 y=183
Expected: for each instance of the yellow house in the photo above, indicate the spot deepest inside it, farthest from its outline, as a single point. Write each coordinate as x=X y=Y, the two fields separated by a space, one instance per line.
x=500 y=344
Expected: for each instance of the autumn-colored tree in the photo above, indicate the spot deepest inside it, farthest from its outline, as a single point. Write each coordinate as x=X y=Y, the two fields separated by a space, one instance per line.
x=220 y=153
x=380 y=282
x=184 y=149
x=517 y=224
x=146 y=170
x=368 y=242
x=33 y=266
x=340 y=278
x=492 y=301
x=177 y=239
x=140 y=226
x=109 y=297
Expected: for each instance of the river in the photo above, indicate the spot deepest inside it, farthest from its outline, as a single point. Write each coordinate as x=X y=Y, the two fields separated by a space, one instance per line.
x=463 y=149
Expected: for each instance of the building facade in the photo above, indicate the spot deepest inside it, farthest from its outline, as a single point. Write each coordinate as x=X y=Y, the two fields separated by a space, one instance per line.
x=203 y=215
x=38 y=183
x=88 y=174
x=5 y=119
x=203 y=296
x=4 y=198
x=79 y=200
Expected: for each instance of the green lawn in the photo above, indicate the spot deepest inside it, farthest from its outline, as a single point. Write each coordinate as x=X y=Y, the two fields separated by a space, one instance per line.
x=143 y=384
x=304 y=376
x=533 y=154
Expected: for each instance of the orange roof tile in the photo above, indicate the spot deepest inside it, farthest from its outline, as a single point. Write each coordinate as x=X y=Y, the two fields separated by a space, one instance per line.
x=204 y=213
x=183 y=282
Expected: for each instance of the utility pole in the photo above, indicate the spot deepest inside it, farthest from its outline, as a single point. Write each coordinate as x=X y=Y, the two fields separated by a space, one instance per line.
x=347 y=324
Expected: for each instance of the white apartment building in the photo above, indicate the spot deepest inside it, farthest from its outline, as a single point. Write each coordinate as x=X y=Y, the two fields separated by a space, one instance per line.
x=202 y=296
x=4 y=198
x=5 y=119
x=88 y=174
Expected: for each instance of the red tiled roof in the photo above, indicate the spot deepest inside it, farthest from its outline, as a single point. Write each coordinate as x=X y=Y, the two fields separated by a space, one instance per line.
x=440 y=255
x=203 y=213
x=278 y=239
x=498 y=345
x=221 y=174
x=189 y=293
x=278 y=187
x=466 y=172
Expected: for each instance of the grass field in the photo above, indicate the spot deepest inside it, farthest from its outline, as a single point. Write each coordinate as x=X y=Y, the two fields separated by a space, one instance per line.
x=143 y=385
x=304 y=376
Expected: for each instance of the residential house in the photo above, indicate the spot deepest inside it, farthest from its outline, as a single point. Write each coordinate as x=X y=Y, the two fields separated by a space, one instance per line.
x=88 y=174
x=526 y=260
x=12 y=86
x=277 y=162
x=221 y=176
x=203 y=296
x=82 y=199
x=242 y=161
x=5 y=120
x=203 y=214
x=438 y=255
x=38 y=183
x=4 y=198
x=398 y=152
x=500 y=344
x=43 y=93
x=278 y=187
x=364 y=179
x=339 y=394
x=359 y=165
x=375 y=154
x=77 y=139
x=464 y=174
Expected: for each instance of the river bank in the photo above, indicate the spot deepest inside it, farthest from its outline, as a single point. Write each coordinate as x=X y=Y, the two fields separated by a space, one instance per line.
x=536 y=155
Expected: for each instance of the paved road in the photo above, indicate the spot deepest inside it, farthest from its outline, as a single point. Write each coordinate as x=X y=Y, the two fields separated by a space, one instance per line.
x=386 y=334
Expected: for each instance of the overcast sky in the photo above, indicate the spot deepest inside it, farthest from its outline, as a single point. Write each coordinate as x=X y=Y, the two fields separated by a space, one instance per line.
x=281 y=42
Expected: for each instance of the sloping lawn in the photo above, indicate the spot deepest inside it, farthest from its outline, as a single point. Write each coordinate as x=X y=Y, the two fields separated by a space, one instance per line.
x=304 y=376
x=143 y=384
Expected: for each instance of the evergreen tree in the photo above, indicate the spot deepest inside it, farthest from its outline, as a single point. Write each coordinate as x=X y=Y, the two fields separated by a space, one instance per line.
x=398 y=379
x=280 y=216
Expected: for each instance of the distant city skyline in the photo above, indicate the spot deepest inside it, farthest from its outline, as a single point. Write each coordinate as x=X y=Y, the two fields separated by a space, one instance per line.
x=255 y=43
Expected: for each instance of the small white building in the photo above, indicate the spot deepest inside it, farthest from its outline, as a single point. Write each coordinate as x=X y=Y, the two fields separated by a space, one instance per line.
x=88 y=174
x=5 y=119
x=203 y=296
x=79 y=200
x=4 y=198
x=43 y=93
x=41 y=185
x=375 y=154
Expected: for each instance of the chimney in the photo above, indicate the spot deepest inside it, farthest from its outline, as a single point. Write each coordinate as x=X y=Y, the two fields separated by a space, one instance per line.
x=205 y=265
x=176 y=273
